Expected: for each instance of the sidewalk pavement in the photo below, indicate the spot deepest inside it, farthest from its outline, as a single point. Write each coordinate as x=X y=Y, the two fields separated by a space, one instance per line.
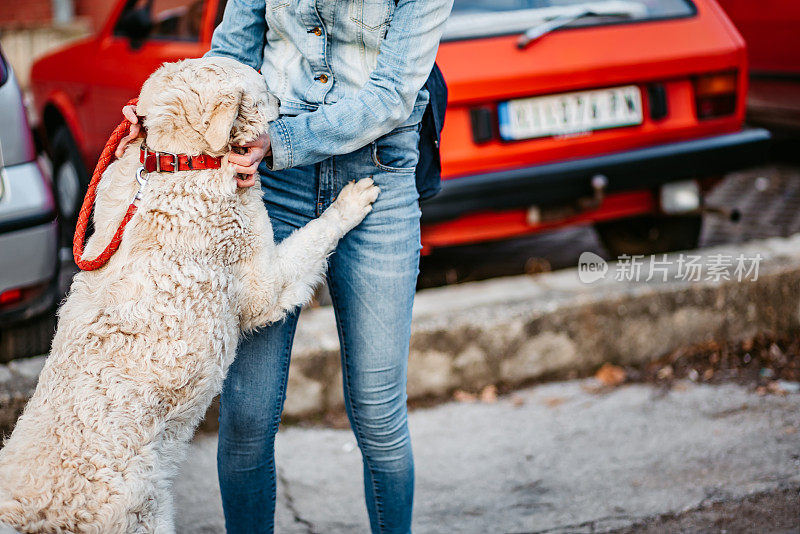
x=555 y=458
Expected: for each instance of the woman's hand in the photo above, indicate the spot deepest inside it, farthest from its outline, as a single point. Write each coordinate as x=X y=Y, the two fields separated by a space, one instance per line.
x=246 y=164
x=129 y=112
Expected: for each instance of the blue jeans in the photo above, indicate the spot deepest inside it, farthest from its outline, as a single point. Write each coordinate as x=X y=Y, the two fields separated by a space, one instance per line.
x=372 y=277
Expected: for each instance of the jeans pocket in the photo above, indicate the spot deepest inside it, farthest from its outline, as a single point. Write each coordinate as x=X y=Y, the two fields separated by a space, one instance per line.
x=398 y=150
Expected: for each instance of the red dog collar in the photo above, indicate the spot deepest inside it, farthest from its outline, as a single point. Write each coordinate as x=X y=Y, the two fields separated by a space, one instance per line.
x=154 y=161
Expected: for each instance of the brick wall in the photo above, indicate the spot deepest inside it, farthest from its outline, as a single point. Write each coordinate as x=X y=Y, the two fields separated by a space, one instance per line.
x=16 y=14
x=94 y=11
x=27 y=30
x=23 y=46
x=25 y=13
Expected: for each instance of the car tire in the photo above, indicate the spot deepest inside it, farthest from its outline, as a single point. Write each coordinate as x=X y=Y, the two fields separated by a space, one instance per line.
x=650 y=234
x=30 y=338
x=70 y=178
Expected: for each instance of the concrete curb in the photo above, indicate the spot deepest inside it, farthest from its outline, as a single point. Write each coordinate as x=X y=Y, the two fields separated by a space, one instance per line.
x=514 y=330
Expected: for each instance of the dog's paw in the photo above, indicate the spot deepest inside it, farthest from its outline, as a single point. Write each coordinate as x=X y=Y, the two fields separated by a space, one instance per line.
x=355 y=202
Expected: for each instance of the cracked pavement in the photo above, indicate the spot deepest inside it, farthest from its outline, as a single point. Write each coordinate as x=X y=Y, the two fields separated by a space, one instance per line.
x=551 y=458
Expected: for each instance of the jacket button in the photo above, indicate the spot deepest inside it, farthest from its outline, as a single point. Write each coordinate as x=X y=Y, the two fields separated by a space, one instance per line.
x=323 y=78
x=317 y=31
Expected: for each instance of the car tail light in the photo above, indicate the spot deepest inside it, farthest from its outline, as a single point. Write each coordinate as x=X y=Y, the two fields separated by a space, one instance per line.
x=11 y=296
x=715 y=95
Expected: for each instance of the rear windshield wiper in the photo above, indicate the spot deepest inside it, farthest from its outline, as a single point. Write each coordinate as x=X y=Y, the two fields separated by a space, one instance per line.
x=595 y=9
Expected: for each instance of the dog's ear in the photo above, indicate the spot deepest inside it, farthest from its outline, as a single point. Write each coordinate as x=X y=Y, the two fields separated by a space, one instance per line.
x=218 y=120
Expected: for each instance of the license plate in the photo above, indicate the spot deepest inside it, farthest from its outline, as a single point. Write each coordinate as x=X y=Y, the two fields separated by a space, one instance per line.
x=570 y=113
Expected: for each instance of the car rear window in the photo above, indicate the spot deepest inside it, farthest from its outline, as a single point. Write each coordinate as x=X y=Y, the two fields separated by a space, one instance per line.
x=173 y=20
x=501 y=17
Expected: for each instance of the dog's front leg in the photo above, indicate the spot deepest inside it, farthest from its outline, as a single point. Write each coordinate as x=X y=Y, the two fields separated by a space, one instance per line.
x=289 y=275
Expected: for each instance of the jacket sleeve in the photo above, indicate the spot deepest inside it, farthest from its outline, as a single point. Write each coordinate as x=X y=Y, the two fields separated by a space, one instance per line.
x=241 y=33
x=404 y=62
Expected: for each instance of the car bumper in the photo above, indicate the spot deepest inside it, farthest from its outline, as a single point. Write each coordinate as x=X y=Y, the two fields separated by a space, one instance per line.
x=28 y=243
x=567 y=181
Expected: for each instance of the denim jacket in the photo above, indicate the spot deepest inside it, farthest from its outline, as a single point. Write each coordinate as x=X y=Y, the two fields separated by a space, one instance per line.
x=346 y=71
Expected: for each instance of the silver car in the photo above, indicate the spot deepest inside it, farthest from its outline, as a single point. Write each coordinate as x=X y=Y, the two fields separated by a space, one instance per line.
x=28 y=227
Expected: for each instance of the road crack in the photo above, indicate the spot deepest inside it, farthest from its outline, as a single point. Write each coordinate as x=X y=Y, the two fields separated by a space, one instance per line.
x=592 y=525
x=290 y=504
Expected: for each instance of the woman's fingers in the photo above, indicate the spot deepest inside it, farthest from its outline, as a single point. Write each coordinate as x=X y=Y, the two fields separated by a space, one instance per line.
x=253 y=156
x=239 y=159
x=134 y=133
x=246 y=181
x=257 y=142
x=246 y=169
x=262 y=141
x=129 y=112
x=246 y=165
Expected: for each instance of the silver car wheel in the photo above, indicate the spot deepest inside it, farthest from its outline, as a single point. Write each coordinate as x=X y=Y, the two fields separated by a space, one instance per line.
x=68 y=185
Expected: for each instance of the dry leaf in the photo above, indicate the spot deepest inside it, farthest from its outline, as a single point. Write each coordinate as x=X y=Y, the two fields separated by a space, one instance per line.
x=775 y=388
x=665 y=373
x=489 y=394
x=610 y=375
x=463 y=396
x=552 y=402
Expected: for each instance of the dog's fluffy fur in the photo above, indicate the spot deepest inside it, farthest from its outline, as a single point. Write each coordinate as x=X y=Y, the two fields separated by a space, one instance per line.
x=143 y=343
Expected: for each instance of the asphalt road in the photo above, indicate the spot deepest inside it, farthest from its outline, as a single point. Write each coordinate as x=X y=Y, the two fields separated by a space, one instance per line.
x=556 y=458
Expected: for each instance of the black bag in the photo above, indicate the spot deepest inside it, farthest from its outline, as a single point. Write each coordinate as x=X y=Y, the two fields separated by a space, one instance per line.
x=429 y=166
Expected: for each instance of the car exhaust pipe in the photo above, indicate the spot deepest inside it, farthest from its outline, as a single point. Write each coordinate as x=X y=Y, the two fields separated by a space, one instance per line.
x=732 y=214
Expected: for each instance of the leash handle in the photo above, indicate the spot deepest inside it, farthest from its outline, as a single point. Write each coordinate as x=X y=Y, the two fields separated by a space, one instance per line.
x=106 y=157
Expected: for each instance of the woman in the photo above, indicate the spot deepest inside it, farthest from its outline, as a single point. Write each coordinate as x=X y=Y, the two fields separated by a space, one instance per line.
x=349 y=75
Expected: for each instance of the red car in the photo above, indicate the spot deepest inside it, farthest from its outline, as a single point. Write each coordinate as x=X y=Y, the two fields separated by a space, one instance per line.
x=771 y=29
x=612 y=112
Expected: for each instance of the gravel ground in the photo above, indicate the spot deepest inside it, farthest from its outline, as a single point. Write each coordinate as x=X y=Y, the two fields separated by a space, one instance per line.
x=768 y=513
x=764 y=364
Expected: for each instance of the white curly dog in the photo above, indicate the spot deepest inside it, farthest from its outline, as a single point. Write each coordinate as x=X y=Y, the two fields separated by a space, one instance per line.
x=143 y=343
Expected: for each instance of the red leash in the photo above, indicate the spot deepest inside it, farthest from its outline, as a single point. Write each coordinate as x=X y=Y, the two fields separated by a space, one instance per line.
x=106 y=157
